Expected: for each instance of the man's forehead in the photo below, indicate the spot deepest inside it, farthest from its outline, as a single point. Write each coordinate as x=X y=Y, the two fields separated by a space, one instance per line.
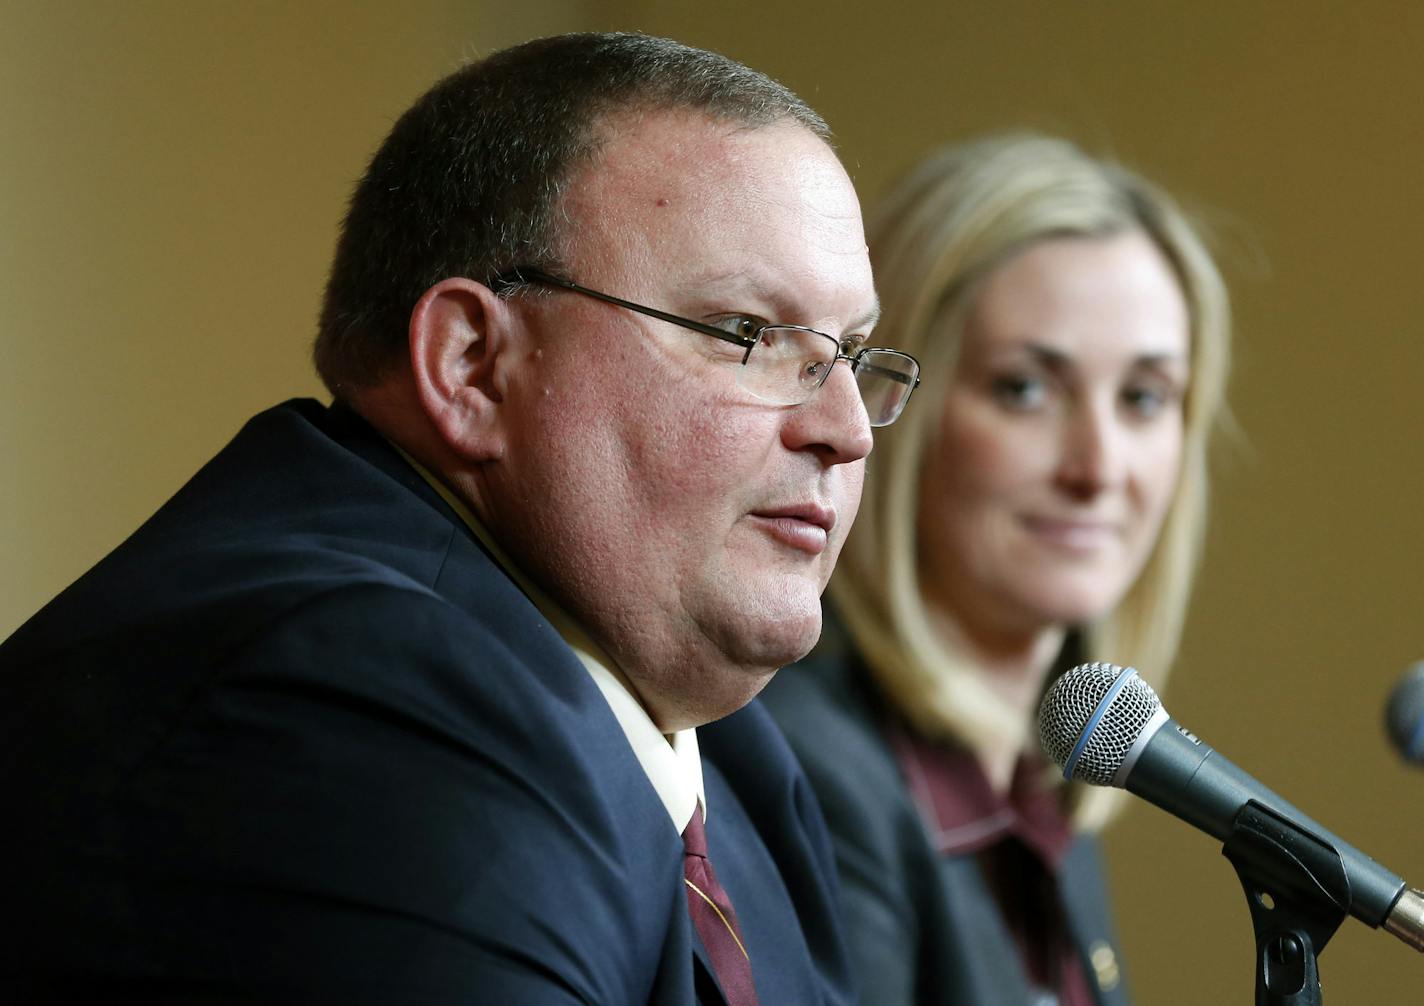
x=670 y=171
x=681 y=150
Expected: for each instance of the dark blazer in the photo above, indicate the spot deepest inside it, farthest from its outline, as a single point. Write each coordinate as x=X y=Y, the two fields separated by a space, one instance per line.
x=300 y=739
x=923 y=928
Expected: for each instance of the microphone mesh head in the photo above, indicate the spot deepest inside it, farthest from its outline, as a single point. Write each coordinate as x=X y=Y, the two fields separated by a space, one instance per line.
x=1069 y=707
x=1404 y=716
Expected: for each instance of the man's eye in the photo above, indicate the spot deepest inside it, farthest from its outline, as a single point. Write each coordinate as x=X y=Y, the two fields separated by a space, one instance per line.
x=741 y=325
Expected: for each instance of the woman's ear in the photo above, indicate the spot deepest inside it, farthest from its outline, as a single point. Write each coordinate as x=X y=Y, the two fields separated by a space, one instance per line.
x=460 y=334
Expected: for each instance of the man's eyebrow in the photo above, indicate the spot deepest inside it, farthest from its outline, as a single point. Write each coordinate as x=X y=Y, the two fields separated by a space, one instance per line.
x=745 y=282
x=740 y=280
x=869 y=319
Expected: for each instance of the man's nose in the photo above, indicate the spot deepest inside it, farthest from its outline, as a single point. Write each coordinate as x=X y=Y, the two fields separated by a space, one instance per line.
x=833 y=421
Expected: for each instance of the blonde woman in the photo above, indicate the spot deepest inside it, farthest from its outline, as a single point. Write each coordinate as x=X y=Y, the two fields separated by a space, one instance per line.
x=1041 y=504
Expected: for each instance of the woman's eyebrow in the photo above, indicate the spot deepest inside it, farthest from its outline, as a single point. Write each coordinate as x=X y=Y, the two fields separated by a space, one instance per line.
x=1057 y=359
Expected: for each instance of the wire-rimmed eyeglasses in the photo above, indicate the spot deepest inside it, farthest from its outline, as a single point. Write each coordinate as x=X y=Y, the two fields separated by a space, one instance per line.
x=782 y=364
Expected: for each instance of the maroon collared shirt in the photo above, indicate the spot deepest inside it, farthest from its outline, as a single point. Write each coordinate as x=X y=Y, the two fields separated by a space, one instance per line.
x=1019 y=838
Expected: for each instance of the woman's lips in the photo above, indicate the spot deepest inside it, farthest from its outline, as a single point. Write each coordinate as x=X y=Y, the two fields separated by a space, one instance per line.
x=1073 y=534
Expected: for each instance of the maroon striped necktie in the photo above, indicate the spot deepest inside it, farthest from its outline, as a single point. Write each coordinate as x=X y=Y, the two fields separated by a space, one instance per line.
x=712 y=914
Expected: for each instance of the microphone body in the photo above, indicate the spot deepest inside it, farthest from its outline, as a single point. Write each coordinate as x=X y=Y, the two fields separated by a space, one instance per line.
x=1190 y=780
x=1106 y=726
x=1404 y=715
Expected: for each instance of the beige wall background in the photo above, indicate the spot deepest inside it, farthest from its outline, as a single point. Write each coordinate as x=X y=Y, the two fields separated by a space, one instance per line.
x=172 y=175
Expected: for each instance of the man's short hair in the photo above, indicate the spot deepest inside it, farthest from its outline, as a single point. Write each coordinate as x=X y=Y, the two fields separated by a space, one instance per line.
x=469 y=181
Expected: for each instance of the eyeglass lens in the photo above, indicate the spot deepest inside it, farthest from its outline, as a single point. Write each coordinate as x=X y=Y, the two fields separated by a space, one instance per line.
x=886 y=380
x=789 y=364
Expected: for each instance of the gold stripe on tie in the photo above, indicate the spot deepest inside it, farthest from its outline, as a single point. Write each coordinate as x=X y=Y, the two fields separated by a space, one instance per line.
x=713 y=904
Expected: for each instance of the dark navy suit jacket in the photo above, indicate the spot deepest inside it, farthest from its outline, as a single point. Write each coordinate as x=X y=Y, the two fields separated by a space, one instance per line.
x=924 y=929
x=300 y=739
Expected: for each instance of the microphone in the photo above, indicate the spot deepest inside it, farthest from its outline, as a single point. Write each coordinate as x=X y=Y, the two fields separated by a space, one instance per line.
x=1106 y=726
x=1404 y=715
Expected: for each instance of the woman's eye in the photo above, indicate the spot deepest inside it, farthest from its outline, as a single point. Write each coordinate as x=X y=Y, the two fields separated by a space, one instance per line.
x=1147 y=401
x=1019 y=392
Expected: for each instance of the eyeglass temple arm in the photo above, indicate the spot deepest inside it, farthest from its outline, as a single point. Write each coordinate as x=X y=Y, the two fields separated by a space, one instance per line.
x=538 y=276
x=531 y=275
x=859 y=364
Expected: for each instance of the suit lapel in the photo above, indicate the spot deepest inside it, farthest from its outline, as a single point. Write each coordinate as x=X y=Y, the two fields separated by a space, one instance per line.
x=1082 y=885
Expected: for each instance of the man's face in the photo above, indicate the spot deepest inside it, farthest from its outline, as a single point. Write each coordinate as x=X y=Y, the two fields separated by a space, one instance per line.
x=689 y=526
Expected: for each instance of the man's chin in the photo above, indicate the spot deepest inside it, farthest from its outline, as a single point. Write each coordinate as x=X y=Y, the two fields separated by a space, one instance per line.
x=762 y=643
x=739 y=654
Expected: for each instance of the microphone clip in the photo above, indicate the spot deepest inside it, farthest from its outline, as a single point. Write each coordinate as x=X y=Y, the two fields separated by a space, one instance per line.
x=1298 y=893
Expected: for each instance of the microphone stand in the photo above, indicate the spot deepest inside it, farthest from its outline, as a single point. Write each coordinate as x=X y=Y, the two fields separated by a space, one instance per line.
x=1298 y=893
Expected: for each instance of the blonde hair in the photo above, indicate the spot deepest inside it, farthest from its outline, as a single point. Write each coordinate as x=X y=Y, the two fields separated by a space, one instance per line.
x=962 y=213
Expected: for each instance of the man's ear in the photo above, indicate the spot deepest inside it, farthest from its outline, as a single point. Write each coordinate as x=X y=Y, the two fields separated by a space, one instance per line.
x=460 y=353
